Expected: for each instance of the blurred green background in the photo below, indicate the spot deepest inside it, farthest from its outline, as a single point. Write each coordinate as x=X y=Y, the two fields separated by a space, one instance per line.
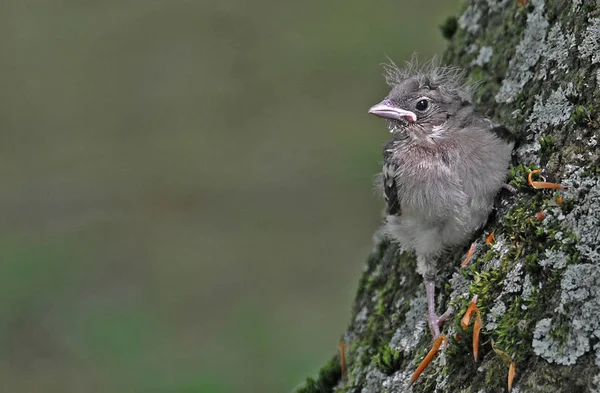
x=186 y=193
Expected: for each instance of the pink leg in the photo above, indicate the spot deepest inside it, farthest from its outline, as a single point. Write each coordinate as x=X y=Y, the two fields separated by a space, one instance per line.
x=510 y=188
x=434 y=321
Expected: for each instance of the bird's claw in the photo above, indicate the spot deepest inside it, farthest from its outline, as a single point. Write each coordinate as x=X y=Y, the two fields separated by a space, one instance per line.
x=434 y=325
x=510 y=188
x=436 y=322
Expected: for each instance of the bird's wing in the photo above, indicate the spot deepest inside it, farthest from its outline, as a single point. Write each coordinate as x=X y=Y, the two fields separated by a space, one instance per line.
x=503 y=133
x=390 y=185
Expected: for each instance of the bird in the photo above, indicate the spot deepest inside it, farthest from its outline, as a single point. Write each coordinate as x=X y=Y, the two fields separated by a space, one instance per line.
x=442 y=168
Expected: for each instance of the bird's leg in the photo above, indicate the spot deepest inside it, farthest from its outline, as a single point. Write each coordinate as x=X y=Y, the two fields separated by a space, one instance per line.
x=446 y=315
x=434 y=326
x=434 y=321
x=431 y=315
x=510 y=188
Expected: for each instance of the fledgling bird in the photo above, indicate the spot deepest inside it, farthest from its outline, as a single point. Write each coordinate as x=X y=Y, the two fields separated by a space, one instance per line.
x=442 y=168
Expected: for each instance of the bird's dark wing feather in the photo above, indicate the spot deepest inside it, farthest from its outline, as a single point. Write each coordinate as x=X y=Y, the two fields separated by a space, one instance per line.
x=390 y=185
x=503 y=133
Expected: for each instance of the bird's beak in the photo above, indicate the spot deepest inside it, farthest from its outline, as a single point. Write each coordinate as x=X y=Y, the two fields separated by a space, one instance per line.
x=387 y=110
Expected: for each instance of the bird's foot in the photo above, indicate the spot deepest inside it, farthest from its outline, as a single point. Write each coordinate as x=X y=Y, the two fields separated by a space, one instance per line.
x=435 y=322
x=510 y=188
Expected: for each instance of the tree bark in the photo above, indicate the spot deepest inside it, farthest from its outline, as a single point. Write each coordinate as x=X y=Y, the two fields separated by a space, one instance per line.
x=538 y=282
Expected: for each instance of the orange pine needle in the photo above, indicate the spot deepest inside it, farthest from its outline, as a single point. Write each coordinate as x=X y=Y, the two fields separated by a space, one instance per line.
x=466 y=319
x=542 y=184
x=559 y=199
x=476 y=330
x=530 y=176
x=469 y=255
x=342 y=351
x=490 y=239
x=506 y=359
x=511 y=375
x=429 y=357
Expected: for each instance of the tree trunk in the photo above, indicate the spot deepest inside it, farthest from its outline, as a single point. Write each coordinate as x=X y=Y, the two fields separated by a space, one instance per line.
x=538 y=282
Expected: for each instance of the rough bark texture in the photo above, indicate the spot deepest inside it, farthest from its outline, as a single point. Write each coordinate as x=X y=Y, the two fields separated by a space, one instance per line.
x=538 y=284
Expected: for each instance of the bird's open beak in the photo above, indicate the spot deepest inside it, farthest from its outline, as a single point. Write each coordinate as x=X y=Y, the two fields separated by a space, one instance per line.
x=387 y=110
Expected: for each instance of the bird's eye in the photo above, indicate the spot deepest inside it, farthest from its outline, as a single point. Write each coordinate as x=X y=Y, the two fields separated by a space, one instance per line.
x=422 y=105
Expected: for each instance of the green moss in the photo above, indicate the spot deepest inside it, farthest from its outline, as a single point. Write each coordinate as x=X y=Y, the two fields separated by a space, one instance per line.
x=487 y=286
x=589 y=6
x=531 y=260
x=495 y=375
x=491 y=254
x=517 y=175
x=367 y=280
x=449 y=27
x=583 y=116
x=547 y=144
x=328 y=377
x=388 y=360
x=518 y=222
x=594 y=171
x=511 y=332
x=487 y=87
x=477 y=76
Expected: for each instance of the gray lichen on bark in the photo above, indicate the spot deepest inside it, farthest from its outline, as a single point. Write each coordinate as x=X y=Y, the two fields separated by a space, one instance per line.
x=538 y=285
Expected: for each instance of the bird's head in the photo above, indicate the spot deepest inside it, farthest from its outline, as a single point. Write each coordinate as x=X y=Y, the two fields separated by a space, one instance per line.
x=424 y=100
